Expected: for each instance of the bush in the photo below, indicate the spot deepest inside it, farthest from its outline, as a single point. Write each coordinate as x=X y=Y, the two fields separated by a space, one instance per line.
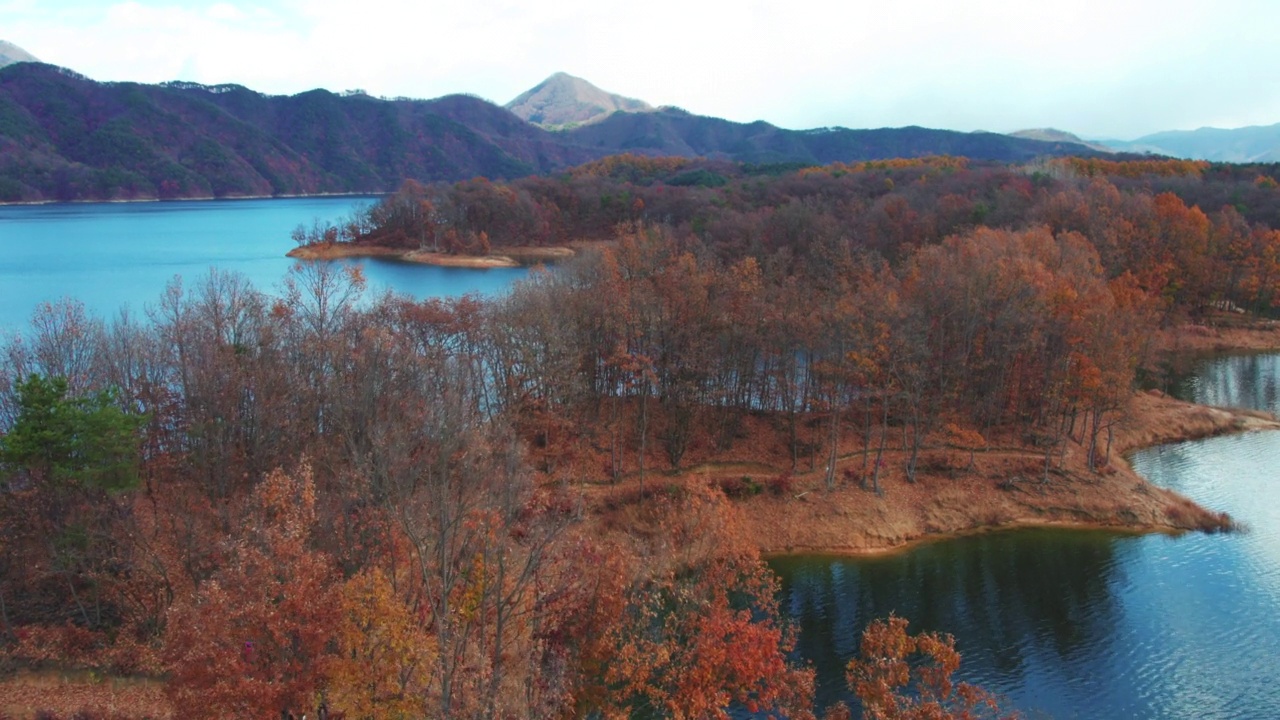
x=738 y=488
x=783 y=484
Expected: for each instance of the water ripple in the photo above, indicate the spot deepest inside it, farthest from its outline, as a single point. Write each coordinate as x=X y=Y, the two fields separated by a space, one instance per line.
x=1090 y=625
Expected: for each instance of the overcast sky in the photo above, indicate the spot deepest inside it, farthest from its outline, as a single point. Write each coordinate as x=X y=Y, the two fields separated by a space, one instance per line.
x=1116 y=69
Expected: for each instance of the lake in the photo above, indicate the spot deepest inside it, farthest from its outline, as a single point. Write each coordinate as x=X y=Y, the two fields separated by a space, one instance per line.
x=110 y=255
x=1082 y=624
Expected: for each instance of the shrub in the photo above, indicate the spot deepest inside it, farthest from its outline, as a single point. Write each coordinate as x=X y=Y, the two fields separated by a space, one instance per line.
x=783 y=484
x=738 y=488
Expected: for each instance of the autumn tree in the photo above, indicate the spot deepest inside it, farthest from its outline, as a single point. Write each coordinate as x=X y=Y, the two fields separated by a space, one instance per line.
x=700 y=631
x=384 y=655
x=257 y=638
x=900 y=676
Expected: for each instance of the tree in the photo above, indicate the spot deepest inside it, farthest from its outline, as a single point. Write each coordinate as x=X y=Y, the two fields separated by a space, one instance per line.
x=66 y=453
x=899 y=676
x=257 y=637
x=59 y=442
x=700 y=629
x=385 y=655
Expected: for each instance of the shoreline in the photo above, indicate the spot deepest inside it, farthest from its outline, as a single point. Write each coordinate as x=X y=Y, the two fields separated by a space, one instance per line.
x=925 y=540
x=852 y=522
x=959 y=491
x=505 y=257
x=201 y=198
x=1228 y=335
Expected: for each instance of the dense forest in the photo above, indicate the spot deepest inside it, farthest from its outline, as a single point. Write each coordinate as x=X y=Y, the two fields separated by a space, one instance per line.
x=65 y=137
x=473 y=508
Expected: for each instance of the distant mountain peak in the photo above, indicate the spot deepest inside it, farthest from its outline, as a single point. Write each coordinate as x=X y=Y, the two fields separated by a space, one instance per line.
x=10 y=54
x=564 y=101
x=1058 y=136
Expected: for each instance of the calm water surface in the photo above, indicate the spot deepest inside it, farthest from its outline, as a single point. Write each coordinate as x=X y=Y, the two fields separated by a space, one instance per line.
x=1090 y=624
x=110 y=255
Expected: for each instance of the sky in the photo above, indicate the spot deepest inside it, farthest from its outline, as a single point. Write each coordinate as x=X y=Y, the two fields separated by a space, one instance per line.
x=1116 y=69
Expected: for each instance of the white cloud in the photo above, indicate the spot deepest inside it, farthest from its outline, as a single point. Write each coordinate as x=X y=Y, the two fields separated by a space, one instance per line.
x=1098 y=68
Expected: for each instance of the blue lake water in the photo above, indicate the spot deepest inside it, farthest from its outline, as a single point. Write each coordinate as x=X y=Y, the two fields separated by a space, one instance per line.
x=110 y=255
x=1071 y=624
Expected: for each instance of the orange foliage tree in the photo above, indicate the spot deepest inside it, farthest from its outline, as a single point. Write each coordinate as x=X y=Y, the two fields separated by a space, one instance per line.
x=255 y=639
x=384 y=655
x=900 y=676
x=700 y=629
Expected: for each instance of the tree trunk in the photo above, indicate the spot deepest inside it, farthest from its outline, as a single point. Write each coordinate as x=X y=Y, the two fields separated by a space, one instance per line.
x=833 y=452
x=884 y=434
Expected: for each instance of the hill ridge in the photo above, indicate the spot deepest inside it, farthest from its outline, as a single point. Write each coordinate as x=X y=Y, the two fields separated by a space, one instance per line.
x=66 y=137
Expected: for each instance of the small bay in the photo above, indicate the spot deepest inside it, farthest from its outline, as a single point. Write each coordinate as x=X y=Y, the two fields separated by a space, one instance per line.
x=113 y=255
x=1088 y=624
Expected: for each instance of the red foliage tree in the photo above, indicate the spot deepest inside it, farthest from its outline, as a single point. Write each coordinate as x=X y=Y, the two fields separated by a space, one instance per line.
x=254 y=639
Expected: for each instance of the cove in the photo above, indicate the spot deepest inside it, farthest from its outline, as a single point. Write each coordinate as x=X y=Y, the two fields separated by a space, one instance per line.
x=1088 y=624
x=114 y=255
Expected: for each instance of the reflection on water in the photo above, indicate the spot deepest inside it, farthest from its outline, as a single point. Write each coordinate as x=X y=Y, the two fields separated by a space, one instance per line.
x=1251 y=381
x=1087 y=624
x=1019 y=603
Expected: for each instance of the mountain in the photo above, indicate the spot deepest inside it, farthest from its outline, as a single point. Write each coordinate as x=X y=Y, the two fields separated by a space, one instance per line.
x=10 y=54
x=1055 y=135
x=671 y=131
x=1239 y=145
x=66 y=137
x=563 y=100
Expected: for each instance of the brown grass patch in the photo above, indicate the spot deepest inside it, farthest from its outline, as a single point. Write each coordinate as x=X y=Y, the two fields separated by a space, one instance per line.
x=81 y=694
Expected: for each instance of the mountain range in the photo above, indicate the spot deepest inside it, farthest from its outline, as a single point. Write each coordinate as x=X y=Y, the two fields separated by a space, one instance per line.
x=1259 y=144
x=64 y=136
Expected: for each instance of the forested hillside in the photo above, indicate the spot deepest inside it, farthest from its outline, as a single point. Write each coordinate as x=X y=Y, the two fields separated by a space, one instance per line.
x=66 y=137
x=1183 y=226
x=533 y=506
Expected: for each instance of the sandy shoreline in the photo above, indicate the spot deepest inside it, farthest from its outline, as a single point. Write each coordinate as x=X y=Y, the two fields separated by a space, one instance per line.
x=506 y=257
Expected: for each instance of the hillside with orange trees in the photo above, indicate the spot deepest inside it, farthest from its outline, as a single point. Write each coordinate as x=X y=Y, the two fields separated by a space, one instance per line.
x=554 y=503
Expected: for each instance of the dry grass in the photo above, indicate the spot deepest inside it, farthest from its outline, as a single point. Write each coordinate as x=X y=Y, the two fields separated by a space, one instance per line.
x=50 y=694
x=1220 y=332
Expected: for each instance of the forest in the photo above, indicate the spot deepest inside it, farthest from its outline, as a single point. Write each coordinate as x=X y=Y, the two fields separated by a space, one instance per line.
x=480 y=507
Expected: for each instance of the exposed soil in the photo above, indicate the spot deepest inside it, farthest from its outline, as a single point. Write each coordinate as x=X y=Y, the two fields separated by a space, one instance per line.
x=957 y=491
x=1003 y=489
